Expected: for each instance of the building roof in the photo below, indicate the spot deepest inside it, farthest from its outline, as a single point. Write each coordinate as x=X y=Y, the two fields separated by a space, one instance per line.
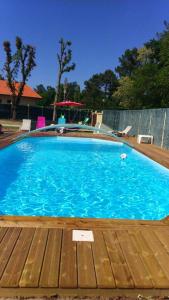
x=28 y=91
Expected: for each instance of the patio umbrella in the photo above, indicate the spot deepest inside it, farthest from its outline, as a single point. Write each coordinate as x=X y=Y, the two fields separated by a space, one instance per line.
x=68 y=103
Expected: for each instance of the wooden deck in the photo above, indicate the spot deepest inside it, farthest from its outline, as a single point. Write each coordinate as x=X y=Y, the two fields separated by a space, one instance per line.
x=126 y=258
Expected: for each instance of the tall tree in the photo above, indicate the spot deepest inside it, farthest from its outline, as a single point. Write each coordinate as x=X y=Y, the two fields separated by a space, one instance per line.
x=64 y=58
x=163 y=74
x=128 y=63
x=125 y=93
x=98 y=90
x=144 y=74
x=47 y=94
x=71 y=92
x=154 y=46
x=21 y=63
x=144 y=55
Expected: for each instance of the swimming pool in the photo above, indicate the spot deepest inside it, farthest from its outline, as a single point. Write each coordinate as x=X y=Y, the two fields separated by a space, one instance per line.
x=81 y=177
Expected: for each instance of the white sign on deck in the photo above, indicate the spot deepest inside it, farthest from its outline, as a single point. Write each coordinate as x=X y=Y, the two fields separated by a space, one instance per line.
x=82 y=236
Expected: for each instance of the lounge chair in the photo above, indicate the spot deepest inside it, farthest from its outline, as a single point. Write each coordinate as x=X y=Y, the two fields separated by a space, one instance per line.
x=41 y=122
x=85 y=122
x=121 y=133
x=62 y=120
x=26 y=125
x=124 y=132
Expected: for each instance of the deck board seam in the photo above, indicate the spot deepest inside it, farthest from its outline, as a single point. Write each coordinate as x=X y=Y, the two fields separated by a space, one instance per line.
x=76 y=262
x=132 y=278
x=3 y=234
x=43 y=257
x=11 y=250
x=109 y=259
x=26 y=256
x=60 y=254
x=151 y=251
x=164 y=249
x=139 y=258
x=142 y=259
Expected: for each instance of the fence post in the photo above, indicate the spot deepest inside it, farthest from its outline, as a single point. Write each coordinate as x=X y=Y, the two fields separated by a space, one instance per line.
x=138 y=131
x=163 y=129
x=150 y=123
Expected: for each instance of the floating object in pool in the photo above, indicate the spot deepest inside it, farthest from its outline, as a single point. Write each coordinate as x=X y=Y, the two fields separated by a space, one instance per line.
x=123 y=156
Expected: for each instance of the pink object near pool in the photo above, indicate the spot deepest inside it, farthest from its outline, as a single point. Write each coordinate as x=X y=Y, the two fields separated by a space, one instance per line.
x=41 y=122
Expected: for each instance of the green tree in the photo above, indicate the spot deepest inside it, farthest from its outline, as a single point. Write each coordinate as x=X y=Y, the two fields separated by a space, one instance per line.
x=145 y=86
x=98 y=90
x=125 y=93
x=144 y=55
x=20 y=63
x=154 y=46
x=163 y=86
x=64 y=58
x=47 y=94
x=163 y=74
x=128 y=63
x=144 y=74
x=72 y=91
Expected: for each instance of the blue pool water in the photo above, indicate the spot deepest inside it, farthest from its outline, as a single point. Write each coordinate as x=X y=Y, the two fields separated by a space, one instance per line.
x=57 y=176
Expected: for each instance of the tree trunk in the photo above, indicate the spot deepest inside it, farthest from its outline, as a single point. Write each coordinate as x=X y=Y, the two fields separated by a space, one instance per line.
x=56 y=96
x=54 y=112
x=13 y=107
x=13 y=112
x=15 y=103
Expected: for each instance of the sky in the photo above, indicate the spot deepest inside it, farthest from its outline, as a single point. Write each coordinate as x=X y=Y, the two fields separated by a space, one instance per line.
x=100 y=31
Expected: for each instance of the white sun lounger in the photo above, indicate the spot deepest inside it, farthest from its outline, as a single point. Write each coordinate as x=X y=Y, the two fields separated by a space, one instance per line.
x=125 y=131
x=121 y=133
x=26 y=125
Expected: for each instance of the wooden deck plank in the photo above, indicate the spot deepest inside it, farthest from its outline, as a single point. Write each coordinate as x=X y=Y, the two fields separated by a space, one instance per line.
x=50 y=270
x=6 y=247
x=78 y=223
x=159 y=251
x=86 y=271
x=147 y=256
x=104 y=275
x=16 y=262
x=31 y=272
x=77 y=294
x=3 y=230
x=163 y=236
x=122 y=274
x=68 y=265
x=140 y=274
